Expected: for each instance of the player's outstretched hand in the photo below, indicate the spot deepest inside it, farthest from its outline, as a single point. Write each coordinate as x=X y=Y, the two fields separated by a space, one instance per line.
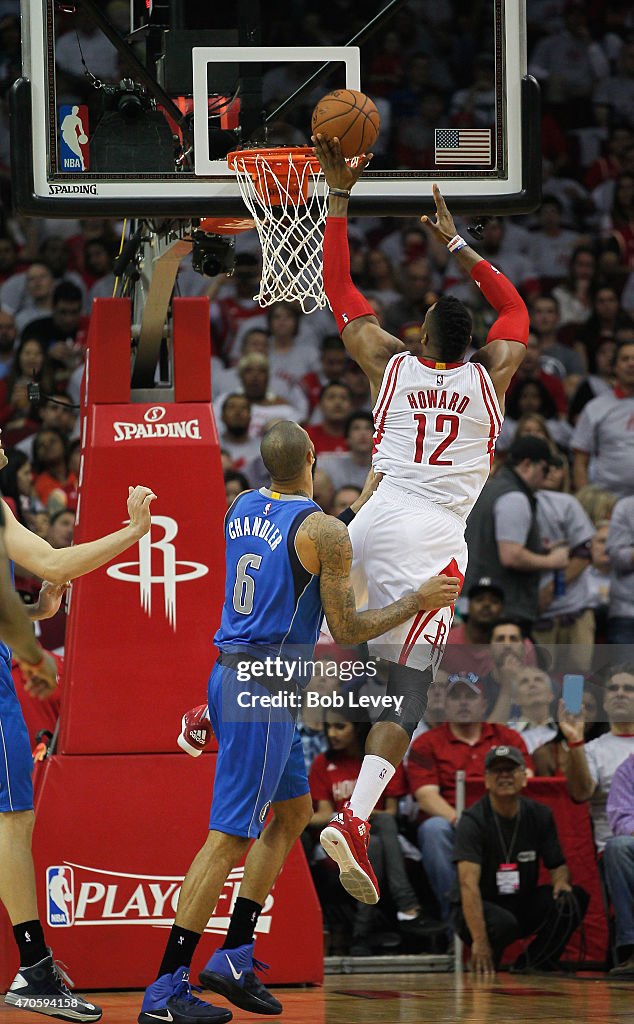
x=337 y=172
x=443 y=228
x=438 y=592
x=50 y=598
x=139 y=500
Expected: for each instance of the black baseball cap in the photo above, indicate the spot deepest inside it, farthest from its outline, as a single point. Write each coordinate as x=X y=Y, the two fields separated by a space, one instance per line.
x=503 y=753
x=486 y=583
x=529 y=446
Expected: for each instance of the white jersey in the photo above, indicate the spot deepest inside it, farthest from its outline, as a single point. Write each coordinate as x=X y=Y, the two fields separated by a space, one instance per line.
x=436 y=425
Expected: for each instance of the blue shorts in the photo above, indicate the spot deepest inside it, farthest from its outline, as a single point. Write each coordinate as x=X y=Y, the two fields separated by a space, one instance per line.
x=260 y=757
x=16 y=762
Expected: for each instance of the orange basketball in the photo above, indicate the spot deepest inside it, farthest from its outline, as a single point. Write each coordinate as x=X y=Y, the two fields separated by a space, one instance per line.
x=349 y=116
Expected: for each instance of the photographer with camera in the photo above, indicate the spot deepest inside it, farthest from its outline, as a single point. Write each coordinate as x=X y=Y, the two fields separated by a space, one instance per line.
x=499 y=843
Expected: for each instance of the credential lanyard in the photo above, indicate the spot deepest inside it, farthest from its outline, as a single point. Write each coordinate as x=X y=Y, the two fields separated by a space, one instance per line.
x=507 y=851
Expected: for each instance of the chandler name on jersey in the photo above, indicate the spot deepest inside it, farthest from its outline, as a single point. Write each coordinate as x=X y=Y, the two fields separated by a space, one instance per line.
x=272 y=602
x=436 y=425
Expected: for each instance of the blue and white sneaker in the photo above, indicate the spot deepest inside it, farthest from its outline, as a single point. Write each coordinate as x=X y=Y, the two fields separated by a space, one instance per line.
x=230 y=972
x=170 y=998
x=44 y=988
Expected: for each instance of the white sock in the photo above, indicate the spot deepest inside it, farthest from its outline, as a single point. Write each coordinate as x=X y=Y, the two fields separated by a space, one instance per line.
x=374 y=776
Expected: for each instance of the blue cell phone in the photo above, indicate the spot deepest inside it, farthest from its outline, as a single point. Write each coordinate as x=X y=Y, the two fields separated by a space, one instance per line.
x=572 y=693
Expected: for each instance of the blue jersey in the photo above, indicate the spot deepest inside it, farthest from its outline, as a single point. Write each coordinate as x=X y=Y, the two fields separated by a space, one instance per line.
x=271 y=600
x=5 y=650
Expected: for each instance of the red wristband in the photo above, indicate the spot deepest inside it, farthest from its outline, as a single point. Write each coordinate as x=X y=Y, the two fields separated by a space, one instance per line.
x=346 y=301
x=577 y=743
x=512 y=323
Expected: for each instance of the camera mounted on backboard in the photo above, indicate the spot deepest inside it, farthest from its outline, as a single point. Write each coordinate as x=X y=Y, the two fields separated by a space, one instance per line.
x=212 y=254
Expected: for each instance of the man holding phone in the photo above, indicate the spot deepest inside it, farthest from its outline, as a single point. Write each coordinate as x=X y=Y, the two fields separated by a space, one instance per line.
x=590 y=767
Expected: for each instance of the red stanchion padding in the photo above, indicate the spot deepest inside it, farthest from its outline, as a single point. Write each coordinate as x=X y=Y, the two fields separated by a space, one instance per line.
x=139 y=635
x=108 y=880
x=192 y=363
x=107 y=373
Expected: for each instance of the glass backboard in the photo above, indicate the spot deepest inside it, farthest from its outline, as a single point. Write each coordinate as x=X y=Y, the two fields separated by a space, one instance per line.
x=112 y=118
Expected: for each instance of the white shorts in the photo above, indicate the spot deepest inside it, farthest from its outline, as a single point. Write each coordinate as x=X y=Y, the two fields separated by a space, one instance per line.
x=399 y=540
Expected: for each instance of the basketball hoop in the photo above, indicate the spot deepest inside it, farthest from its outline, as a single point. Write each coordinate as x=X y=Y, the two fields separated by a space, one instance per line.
x=282 y=188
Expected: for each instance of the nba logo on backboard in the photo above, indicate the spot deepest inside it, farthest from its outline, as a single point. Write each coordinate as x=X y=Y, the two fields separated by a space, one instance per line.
x=73 y=138
x=60 y=896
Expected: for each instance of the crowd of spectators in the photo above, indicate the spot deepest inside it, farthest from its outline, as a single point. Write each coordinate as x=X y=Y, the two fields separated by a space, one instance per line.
x=428 y=878
x=551 y=570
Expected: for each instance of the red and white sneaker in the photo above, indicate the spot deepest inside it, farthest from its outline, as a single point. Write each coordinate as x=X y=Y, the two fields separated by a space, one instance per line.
x=345 y=839
x=196 y=731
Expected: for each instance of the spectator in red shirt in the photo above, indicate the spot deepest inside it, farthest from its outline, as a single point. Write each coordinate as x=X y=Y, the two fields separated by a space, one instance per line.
x=335 y=405
x=332 y=366
x=458 y=744
x=332 y=779
x=532 y=370
x=608 y=167
x=230 y=310
x=55 y=484
x=18 y=416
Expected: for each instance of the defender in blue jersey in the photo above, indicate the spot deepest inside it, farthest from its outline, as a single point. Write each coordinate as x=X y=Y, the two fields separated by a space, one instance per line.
x=287 y=563
x=38 y=986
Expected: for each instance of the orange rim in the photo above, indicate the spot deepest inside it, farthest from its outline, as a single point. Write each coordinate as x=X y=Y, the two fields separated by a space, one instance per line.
x=278 y=174
x=277 y=157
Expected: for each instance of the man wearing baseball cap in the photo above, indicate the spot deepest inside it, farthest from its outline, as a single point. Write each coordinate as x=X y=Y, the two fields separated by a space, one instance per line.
x=500 y=841
x=467 y=647
x=502 y=531
x=459 y=743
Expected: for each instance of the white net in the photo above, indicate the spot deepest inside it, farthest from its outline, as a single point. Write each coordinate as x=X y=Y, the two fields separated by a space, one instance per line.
x=285 y=195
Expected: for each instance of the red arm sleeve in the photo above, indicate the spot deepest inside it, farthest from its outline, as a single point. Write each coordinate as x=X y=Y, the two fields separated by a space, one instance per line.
x=346 y=301
x=512 y=323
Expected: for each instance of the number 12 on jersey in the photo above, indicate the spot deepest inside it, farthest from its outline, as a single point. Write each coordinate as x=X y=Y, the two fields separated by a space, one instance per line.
x=446 y=425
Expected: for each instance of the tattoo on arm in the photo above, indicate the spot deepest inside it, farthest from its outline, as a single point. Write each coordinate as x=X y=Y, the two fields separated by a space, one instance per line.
x=332 y=543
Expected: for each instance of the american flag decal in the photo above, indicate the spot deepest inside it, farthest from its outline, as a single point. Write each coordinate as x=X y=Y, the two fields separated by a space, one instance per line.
x=468 y=146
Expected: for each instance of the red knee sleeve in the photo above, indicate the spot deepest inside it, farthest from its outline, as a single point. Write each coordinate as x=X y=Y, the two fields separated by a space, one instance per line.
x=346 y=301
x=512 y=323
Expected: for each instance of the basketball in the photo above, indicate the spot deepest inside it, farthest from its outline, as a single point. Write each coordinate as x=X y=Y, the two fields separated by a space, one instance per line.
x=349 y=116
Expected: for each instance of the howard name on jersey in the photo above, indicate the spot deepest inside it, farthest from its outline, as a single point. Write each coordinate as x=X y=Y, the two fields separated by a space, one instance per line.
x=436 y=425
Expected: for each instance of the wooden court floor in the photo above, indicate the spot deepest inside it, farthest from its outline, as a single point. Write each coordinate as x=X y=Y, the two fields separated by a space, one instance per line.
x=434 y=998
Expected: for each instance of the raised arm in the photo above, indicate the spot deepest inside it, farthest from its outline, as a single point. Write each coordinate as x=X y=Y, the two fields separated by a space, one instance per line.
x=16 y=630
x=368 y=344
x=60 y=565
x=324 y=548
x=581 y=785
x=508 y=336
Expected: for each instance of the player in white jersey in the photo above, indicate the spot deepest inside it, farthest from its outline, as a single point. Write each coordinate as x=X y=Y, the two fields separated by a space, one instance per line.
x=436 y=423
